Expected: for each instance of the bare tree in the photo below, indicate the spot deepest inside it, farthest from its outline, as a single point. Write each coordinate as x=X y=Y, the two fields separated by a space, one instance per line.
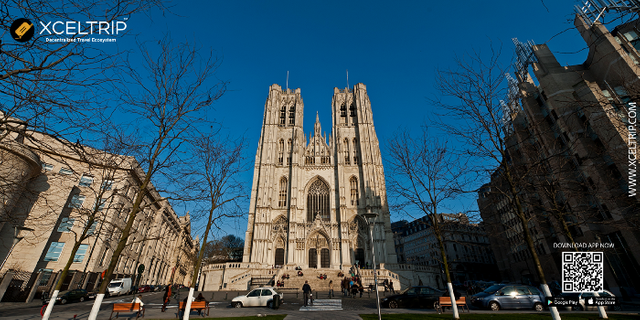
x=471 y=110
x=425 y=175
x=214 y=183
x=166 y=98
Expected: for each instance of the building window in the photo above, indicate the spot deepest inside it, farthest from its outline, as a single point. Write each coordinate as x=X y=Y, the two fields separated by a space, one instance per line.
x=355 y=151
x=47 y=166
x=99 y=206
x=82 y=250
x=280 y=151
x=76 y=201
x=86 y=181
x=318 y=201
x=65 y=171
x=633 y=38
x=66 y=225
x=347 y=154
x=343 y=113
x=107 y=184
x=283 y=115
x=46 y=275
x=92 y=229
x=282 y=202
x=289 y=151
x=55 y=249
x=352 y=108
x=354 y=191
x=292 y=115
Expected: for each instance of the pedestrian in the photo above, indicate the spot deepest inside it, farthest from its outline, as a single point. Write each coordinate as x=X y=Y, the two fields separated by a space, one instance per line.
x=391 y=287
x=138 y=299
x=166 y=298
x=330 y=289
x=306 y=291
x=200 y=298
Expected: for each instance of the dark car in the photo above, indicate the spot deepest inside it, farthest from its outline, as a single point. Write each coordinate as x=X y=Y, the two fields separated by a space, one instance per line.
x=509 y=296
x=72 y=295
x=414 y=297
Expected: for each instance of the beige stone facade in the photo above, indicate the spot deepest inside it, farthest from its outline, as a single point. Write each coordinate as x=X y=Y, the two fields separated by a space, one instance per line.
x=56 y=197
x=309 y=193
x=308 y=198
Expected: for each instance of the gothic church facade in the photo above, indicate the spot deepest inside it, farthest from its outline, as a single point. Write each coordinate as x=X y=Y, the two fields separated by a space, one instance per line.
x=309 y=193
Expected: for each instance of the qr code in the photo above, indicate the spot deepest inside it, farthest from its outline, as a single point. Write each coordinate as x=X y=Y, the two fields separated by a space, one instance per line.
x=582 y=271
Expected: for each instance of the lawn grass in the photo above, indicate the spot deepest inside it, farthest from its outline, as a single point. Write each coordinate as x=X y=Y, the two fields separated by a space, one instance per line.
x=497 y=316
x=266 y=317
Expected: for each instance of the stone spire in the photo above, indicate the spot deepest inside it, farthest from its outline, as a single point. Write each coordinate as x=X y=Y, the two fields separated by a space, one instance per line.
x=317 y=129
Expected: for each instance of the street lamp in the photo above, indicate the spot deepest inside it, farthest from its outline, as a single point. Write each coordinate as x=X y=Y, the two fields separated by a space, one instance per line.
x=16 y=239
x=371 y=217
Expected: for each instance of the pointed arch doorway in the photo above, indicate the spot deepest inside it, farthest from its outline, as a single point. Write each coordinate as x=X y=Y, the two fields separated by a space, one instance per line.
x=319 y=252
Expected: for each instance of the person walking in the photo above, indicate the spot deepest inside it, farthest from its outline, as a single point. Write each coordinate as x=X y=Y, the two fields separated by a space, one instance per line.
x=165 y=298
x=391 y=287
x=306 y=290
x=330 y=289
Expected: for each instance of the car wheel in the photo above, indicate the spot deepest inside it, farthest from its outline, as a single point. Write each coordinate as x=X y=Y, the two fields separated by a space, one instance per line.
x=63 y=301
x=436 y=305
x=393 y=304
x=578 y=308
x=237 y=305
x=538 y=307
x=270 y=304
x=494 y=306
x=81 y=299
x=617 y=308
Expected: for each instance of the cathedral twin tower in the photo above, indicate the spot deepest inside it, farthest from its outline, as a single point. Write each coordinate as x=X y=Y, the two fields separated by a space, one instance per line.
x=309 y=194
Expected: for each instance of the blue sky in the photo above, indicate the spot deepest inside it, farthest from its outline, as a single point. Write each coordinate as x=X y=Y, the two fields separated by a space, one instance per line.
x=393 y=48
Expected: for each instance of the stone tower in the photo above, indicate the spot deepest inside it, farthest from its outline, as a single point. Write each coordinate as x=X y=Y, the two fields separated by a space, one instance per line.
x=309 y=193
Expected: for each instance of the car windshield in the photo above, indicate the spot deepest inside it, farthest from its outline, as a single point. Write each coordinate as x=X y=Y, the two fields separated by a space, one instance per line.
x=115 y=284
x=492 y=289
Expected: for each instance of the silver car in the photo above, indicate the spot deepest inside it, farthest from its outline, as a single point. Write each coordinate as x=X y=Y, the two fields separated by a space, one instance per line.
x=509 y=296
x=260 y=297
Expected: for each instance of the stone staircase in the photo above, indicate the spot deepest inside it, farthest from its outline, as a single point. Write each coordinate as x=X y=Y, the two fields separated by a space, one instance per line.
x=311 y=275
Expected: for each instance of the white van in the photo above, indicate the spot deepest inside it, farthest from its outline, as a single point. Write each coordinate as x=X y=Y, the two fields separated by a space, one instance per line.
x=120 y=286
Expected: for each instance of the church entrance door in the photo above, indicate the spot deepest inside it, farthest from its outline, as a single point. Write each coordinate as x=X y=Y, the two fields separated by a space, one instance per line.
x=279 y=257
x=313 y=258
x=360 y=256
x=324 y=258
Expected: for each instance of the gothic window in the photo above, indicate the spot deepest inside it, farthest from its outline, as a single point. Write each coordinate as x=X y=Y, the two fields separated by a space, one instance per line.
x=283 y=115
x=292 y=115
x=354 y=191
x=355 y=151
x=282 y=200
x=280 y=151
x=343 y=113
x=352 y=108
x=289 y=151
x=346 y=151
x=318 y=201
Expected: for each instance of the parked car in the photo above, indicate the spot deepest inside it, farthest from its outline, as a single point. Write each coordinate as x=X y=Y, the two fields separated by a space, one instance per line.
x=143 y=289
x=509 y=296
x=260 y=297
x=72 y=295
x=413 y=297
x=584 y=296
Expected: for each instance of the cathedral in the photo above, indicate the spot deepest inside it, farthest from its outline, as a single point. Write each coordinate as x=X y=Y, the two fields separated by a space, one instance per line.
x=309 y=193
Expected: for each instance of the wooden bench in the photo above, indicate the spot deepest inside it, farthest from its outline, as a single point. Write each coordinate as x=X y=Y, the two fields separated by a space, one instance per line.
x=446 y=302
x=127 y=307
x=195 y=305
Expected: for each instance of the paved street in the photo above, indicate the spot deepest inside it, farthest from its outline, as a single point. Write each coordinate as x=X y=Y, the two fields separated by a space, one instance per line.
x=220 y=308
